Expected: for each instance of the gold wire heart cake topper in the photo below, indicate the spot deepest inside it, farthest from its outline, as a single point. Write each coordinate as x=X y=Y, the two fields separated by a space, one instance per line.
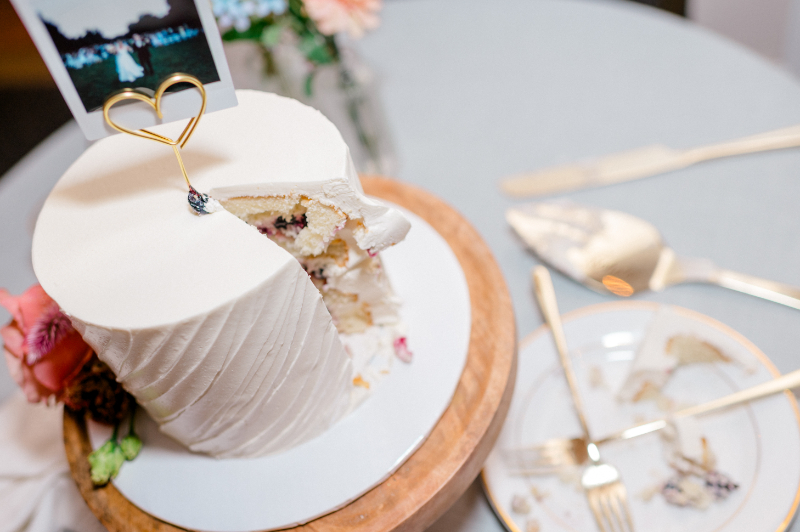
x=198 y=201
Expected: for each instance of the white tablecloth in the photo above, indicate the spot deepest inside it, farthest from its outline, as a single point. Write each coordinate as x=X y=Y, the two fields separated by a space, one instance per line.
x=477 y=90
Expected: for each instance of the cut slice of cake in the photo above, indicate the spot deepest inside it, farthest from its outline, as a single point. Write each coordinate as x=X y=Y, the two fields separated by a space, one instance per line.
x=222 y=330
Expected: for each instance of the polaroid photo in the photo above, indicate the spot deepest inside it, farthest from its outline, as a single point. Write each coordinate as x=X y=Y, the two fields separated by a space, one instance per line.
x=95 y=48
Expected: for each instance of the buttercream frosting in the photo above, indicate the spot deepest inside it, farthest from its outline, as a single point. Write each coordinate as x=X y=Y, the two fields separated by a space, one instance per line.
x=217 y=331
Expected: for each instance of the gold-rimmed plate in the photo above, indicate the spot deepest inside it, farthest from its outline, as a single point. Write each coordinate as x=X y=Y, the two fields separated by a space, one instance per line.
x=757 y=445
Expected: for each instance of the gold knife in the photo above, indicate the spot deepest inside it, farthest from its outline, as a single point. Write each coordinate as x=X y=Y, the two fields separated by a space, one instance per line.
x=641 y=162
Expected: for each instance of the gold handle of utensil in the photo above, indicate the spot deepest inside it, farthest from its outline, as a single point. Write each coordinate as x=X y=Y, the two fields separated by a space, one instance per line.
x=640 y=162
x=785 y=382
x=755 y=286
x=780 y=384
x=772 y=140
x=546 y=297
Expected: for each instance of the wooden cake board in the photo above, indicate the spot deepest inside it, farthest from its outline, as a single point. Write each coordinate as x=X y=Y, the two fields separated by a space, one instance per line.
x=431 y=480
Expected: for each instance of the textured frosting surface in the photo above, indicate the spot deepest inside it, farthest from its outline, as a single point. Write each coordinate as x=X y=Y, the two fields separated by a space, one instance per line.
x=216 y=330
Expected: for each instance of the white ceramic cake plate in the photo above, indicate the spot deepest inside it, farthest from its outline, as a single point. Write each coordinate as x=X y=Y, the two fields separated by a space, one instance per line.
x=202 y=493
x=757 y=445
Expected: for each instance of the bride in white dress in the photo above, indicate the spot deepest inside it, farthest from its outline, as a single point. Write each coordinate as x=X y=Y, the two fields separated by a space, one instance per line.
x=127 y=68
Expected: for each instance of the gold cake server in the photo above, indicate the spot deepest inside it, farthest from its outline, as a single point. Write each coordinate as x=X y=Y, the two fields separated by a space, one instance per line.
x=615 y=252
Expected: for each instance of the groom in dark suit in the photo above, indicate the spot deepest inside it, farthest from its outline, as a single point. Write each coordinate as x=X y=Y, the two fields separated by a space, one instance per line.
x=142 y=46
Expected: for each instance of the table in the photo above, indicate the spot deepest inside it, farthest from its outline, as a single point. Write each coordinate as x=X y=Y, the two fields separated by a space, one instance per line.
x=475 y=90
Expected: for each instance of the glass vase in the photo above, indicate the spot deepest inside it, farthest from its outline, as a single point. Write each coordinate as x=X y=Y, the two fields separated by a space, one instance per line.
x=345 y=91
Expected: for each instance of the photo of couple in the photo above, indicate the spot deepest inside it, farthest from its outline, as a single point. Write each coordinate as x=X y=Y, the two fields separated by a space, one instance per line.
x=127 y=67
x=109 y=47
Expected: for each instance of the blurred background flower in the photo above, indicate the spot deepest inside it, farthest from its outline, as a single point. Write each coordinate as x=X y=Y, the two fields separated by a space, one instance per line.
x=353 y=17
x=238 y=13
x=32 y=104
x=294 y=51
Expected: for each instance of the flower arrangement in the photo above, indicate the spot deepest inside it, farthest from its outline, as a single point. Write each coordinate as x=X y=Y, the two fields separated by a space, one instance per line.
x=51 y=363
x=288 y=32
x=310 y=24
x=43 y=351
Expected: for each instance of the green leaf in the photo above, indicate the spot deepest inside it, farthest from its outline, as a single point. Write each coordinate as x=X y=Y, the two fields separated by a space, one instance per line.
x=252 y=33
x=297 y=10
x=308 y=86
x=307 y=43
x=272 y=34
x=130 y=445
x=296 y=25
x=320 y=55
x=315 y=50
x=105 y=462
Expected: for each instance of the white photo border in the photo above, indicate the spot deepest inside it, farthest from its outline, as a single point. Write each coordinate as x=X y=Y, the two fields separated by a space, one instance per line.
x=176 y=106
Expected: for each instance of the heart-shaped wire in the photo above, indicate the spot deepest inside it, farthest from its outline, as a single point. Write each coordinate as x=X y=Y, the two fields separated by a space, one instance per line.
x=155 y=103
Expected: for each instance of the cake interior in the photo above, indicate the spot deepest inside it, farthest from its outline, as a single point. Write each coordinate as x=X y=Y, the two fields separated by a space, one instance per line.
x=322 y=238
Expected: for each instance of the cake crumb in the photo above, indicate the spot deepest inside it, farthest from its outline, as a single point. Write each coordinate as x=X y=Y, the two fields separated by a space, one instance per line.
x=651 y=392
x=596 y=379
x=532 y=526
x=648 y=493
x=520 y=505
x=359 y=381
x=691 y=350
x=538 y=494
x=719 y=484
x=571 y=475
x=709 y=459
x=683 y=491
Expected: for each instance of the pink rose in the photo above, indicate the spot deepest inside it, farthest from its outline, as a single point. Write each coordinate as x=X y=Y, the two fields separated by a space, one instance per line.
x=43 y=351
x=351 y=16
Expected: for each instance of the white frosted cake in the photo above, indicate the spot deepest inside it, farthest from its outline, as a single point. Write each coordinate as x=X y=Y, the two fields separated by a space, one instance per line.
x=224 y=331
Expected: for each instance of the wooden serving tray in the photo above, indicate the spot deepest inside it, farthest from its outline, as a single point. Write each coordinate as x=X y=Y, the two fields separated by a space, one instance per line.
x=431 y=480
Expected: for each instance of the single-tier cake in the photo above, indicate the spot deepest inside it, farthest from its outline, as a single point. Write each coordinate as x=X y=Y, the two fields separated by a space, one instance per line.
x=224 y=331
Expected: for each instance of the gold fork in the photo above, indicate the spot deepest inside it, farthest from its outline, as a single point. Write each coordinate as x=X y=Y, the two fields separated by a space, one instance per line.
x=601 y=482
x=547 y=457
x=606 y=494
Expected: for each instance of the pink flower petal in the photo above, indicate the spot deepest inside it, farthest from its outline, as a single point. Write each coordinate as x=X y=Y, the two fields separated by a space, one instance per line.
x=337 y=16
x=401 y=349
x=63 y=363
x=42 y=349
x=33 y=391
x=13 y=339
x=23 y=376
x=50 y=328
x=11 y=304
x=14 y=364
x=27 y=307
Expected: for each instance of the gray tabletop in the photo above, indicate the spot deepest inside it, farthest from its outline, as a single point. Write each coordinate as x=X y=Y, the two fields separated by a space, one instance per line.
x=477 y=90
